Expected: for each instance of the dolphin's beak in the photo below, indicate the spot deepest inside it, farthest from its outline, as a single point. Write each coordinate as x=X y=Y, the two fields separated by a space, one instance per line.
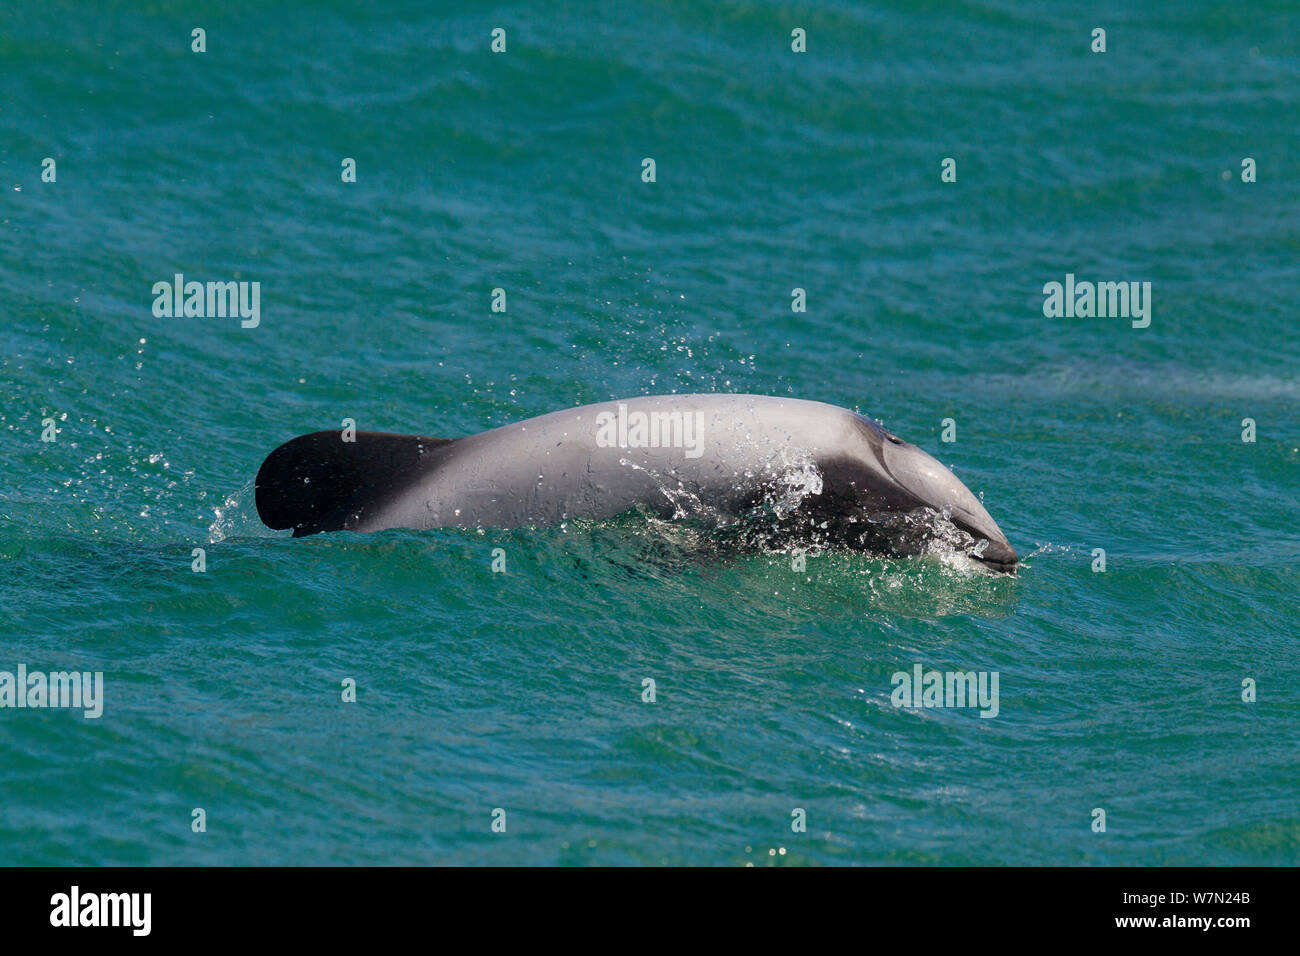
x=999 y=555
x=938 y=488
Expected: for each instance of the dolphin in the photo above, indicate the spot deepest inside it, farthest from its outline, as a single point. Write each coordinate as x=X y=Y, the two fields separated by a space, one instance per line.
x=818 y=472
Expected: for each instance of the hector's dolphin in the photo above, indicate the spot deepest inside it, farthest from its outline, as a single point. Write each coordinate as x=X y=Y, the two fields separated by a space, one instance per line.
x=820 y=472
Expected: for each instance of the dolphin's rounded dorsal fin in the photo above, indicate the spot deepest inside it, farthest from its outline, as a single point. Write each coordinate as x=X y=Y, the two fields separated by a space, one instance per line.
x=319 y=482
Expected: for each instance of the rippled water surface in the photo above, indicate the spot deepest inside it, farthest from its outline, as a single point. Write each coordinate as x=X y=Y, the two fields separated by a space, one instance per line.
x=522 y=691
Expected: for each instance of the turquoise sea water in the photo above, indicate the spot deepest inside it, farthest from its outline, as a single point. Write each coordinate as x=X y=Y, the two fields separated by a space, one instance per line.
x=522 y=170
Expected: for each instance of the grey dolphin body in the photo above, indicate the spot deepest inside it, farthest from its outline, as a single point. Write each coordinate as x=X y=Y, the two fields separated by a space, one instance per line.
x=817 y=470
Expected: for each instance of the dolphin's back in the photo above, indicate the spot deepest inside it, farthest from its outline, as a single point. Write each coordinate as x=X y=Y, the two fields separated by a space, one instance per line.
x=720 y=454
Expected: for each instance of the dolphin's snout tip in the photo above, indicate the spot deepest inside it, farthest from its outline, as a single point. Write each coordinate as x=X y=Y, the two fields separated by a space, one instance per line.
x=999 y=556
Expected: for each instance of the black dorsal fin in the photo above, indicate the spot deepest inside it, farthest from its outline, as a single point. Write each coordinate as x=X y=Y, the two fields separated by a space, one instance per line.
x=319 y=482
